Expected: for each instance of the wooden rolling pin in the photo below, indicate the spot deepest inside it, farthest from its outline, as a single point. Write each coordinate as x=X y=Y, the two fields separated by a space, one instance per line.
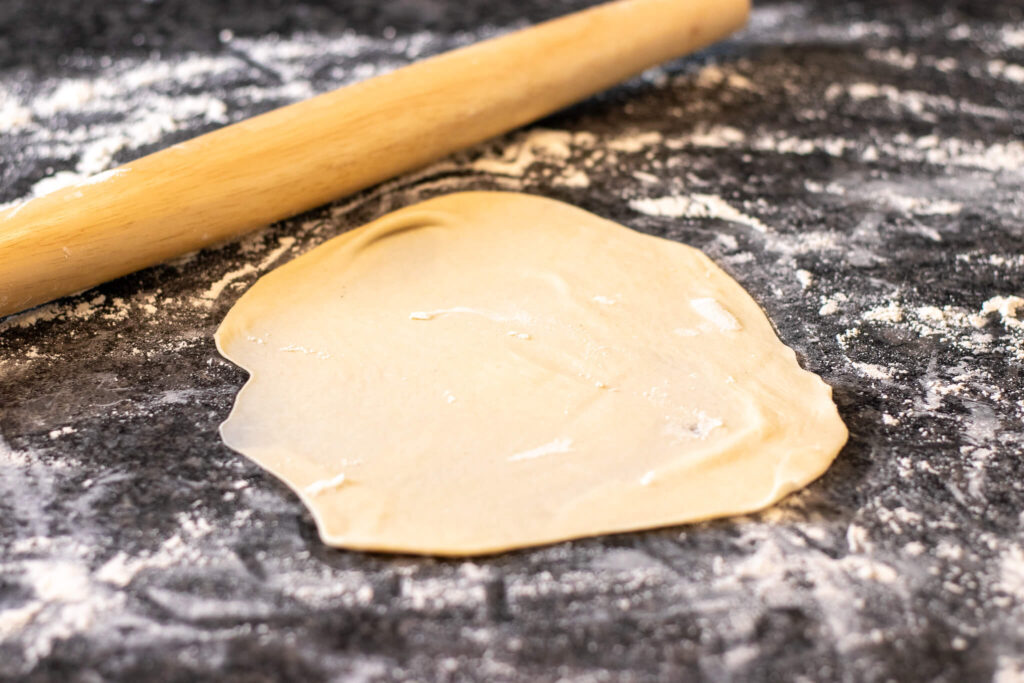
x=289 y=160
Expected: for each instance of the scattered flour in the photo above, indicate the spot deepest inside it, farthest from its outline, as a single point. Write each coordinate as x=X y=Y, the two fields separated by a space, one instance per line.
x=526 y=149
x=83 y=310
x=695 y=206
x=1010 y=72
x=1013 y=36
x=712 y=311
x=922 y=207
x=635 y=141
x=712 y=136
x=873 y=371
x=891 y=312
x=283 y=245
x=1007 y=307
x=552 y=148
x=122 y=568
x=561 y=445
x=324 y=485
x=930 y=149
x=916 y=102
x=217 y=288
x=67 y=600
x=1011 y=572
x=830 y=305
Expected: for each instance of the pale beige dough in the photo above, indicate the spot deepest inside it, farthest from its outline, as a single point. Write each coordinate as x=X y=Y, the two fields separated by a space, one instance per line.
x=486 y=371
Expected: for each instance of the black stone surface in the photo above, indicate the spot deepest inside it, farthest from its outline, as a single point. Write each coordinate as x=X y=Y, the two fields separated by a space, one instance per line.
x=877 y=143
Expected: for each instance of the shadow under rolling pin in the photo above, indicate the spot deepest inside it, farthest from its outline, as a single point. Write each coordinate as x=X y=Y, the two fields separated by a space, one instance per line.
x=289 y=160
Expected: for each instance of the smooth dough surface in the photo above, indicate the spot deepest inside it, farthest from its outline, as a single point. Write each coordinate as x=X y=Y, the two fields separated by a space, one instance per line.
x=486 y=370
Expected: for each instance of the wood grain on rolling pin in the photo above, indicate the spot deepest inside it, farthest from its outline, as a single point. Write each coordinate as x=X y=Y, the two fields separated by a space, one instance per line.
x=297 y=157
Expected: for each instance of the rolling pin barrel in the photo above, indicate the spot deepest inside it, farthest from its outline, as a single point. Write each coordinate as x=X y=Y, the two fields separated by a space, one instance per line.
x=292 y=159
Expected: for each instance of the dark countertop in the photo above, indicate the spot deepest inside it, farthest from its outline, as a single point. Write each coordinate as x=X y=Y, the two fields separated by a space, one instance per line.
x=878 y=144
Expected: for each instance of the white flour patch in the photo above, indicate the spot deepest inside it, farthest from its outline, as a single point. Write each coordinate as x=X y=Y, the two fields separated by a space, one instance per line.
x=324 y=485
x=562 y=156
x=634 y=142
x=913 y=101
x=893 y=56
x=466 y=310
x=1011 y=573
x=12 y=114
x=873 y=371
x=121 y=569
x=63 y=431
x=909 y=60
x=66 y=603
x=708 y=136
x=572 y=178
x=830 y=305
x=29 y=318
x=919 y=206
x=1009 y=669
x=1009 y=308
x=284 y=244
x=134 y=90
x=712 y=311
x=891 y=312
x=784 y=143
x=695 y=206
x=716 y=75
x=298 y=348
x=562 y=445
x=1008 y=156
x=217 y=288
x=83 y=310
x=62 y=600
x=1013 y=36
x=1007 y=71
x=999 y=156
x=525 y=149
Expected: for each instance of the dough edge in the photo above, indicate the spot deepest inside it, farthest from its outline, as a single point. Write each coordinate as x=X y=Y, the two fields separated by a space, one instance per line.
x=833 y=429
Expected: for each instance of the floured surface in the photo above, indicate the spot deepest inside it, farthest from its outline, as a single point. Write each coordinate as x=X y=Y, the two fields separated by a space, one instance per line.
x=486 y=371
x=196 y=564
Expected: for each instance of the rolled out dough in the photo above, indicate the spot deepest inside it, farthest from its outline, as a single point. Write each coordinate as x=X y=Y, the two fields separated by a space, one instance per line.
x=485 y=371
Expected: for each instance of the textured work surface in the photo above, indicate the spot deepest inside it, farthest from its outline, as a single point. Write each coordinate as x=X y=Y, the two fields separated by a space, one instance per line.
x=856 y=166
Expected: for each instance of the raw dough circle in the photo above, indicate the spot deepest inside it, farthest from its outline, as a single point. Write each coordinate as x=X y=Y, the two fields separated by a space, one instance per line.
x=486 y=370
